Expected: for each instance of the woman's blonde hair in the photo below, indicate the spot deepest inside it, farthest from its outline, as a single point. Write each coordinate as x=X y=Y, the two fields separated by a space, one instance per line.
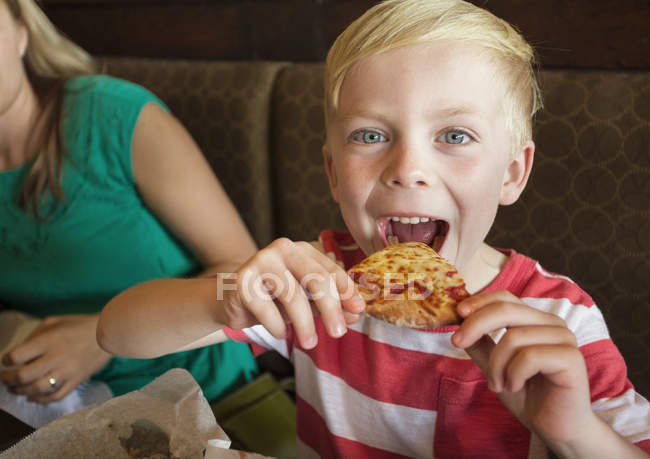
x=50 y=60
x=396 y=23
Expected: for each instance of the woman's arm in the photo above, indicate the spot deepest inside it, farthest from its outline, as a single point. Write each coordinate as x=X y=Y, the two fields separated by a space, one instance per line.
x=178 y=185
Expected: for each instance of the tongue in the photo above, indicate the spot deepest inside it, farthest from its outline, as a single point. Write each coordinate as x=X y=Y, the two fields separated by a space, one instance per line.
x=422 y=232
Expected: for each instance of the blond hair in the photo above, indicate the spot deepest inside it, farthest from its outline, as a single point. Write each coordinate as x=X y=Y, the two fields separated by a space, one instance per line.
x=50 y=60
x=397 y=23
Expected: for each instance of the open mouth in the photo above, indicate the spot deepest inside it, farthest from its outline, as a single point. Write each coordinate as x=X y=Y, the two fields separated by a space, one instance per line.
x=428 y=230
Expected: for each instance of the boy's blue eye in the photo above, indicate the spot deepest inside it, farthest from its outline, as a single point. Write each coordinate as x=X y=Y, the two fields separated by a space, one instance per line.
x=365 y=136
x=455 y=137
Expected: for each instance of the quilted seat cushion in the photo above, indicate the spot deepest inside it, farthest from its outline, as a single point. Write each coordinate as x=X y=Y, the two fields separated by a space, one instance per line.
x=304 y=205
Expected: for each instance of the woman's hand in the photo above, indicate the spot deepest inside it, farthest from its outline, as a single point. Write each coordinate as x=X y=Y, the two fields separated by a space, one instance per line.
x=63 y=350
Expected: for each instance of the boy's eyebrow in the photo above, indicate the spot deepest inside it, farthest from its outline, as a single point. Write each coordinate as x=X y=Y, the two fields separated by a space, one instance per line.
x=461 y=111
x=450 y=112
x=363 y=113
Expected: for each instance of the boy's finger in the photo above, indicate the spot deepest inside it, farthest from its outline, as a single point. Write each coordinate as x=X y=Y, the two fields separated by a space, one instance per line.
x=326 y=299
x=320 y=286
x=496 y=316
x=562 y=365
x=481 y=300
x=351 y=299
x=297 y=308
x=518 y=338
x=351 y=318
x=259 y=302
x=348 y=294
x=480 y=352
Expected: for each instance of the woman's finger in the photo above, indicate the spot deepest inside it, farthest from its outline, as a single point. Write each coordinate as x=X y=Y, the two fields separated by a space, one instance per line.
x=56 y=395
x=25 y=374
x=29 y=350
x=44 y=385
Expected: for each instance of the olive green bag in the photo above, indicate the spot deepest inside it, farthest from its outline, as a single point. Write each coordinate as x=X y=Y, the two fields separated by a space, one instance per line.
x=261 y=417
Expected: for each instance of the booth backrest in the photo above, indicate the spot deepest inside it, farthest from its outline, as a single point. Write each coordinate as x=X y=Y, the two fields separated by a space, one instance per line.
x=585 y=212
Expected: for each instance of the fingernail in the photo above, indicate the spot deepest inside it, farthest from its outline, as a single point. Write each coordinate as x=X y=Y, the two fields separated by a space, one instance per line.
x=311 y=342
x=351 y=317
x=493 y=385
x=340 y=330
x=358 y=304
x=457 y=338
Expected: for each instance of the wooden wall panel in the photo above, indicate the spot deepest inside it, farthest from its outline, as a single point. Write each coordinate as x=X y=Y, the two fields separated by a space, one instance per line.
x=576 y=33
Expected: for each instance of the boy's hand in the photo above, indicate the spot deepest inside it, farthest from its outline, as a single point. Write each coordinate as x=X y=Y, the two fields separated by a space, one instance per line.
x=536 y=368
x=290 y=282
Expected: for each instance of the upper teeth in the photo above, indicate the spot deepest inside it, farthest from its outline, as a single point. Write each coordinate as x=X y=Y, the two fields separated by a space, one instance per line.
x=409 y=220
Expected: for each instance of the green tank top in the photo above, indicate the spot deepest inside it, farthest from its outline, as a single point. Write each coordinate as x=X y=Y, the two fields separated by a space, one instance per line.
x=102 y=239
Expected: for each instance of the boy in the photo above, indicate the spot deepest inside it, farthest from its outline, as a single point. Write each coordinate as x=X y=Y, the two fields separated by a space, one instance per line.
x=428 y=108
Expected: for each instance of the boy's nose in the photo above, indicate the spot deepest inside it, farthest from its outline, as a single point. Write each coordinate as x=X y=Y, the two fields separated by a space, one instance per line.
x=405 y=169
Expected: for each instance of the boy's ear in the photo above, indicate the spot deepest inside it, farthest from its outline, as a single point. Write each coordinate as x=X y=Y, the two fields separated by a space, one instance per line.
x=331 y=172
x=517 y=173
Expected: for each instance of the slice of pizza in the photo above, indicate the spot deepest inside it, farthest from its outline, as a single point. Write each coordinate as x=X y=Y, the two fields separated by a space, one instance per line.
x=409 y=284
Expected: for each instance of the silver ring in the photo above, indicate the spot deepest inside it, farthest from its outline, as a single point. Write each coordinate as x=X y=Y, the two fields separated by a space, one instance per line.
x=51 y=379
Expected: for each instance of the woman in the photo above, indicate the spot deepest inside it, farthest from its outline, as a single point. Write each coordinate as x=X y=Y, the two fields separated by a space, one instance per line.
x=100 y=189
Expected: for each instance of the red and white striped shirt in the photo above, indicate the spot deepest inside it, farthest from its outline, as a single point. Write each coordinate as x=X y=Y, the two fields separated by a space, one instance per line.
x=386 y=391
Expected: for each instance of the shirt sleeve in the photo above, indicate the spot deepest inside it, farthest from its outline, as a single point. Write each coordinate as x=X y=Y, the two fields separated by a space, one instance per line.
x=613 y=397
x=260 y=339
x=101 y=114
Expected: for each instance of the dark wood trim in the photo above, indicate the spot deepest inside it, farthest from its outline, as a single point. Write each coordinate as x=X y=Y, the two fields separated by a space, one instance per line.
x=612 y=34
